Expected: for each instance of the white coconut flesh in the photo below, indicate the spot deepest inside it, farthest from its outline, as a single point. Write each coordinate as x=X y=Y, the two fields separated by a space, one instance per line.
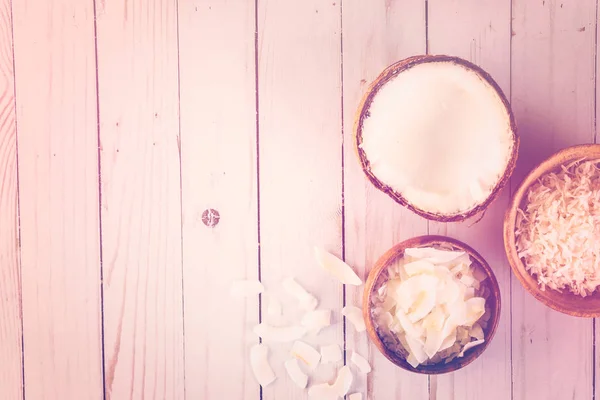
x=439 y=135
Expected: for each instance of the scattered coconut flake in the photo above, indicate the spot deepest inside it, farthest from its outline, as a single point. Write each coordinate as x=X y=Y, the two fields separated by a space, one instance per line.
x=274 y=308
x=306 y=353
x=469 y=346
x=354 y=315
x=330 y=354
x=246 y=288
x=271 y=333
x=355 y=396
x=307 y=301
x=299 y=378
x=337 y=268
x=434 y=310
x=316 y=320
x=557 y=233
x=343 y=381
x=362 y=364
x=260 y=364
x=323 y=391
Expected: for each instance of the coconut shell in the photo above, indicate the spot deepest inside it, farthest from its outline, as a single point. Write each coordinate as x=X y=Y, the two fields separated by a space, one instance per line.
x=363 y=113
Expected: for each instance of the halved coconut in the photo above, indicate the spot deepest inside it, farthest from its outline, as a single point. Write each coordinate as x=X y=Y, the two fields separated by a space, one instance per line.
x=437 y=135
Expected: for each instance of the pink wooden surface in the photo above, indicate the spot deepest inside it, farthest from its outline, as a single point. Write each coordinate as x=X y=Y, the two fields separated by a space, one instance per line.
x=548 y=344
x=123 y=122
x=11 y=377
x=375 y=36
x=217 y=175
x=484 y=40
x=57 y=137
x=140 y=201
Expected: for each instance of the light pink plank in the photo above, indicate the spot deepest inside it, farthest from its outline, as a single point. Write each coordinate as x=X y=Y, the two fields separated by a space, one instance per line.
x=597 y=140
x=375 y=35
x=553 y=47
x=141 y=214
x=300 y=161
x=218 y=152
x=11 y=379
x=481 y=34
x=58 y=171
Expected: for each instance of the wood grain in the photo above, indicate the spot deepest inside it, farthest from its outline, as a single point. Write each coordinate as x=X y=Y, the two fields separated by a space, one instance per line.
x=375 y=35
x=481 y=34
x=218 y=155
x=596 y=330
x=553 y=48
x=300 y=147
x=11 y=378
x=141 y=210
x=58 y=176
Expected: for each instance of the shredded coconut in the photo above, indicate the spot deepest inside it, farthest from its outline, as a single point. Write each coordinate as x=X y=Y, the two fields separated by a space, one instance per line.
x=558 y=232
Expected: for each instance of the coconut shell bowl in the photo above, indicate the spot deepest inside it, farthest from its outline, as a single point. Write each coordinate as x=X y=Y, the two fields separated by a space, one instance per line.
x=377 y=276
x=564 y=301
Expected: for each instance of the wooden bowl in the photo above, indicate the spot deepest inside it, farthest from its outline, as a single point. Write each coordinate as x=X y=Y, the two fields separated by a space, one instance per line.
x=492 y=302
x=565 y=302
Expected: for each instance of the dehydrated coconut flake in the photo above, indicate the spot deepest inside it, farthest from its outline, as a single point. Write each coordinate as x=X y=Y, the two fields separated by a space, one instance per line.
x=330 y=353
x=362 y=364
x=476 y=332
x=337 y=268
x=299 y=378
x=354 y=315
x=306 y=353
x=322 y=391
x=432 y=255
x=307 y=301
x=340 y=387
x=316 y=320
x=274 y=308
x=469 y=346
x=343 y=381
x=260 y=365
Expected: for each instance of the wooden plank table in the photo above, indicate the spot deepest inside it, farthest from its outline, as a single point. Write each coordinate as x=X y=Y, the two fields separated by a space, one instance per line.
x=153 y=151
